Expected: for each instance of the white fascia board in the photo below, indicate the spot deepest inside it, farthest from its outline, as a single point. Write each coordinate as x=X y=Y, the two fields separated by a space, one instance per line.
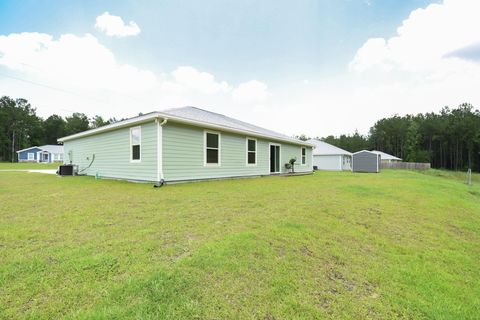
x=332 y=154
x=154 y=115
x=28 y=149
x=229 y=129
x=113 y=126
x=363 y=151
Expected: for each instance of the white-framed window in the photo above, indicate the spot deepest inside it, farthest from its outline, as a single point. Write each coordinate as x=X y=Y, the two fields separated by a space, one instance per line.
x=135 y=144
x=251 y=152
x=304 y=156
x=31 y=156
x=60 y=156
x=212 y=148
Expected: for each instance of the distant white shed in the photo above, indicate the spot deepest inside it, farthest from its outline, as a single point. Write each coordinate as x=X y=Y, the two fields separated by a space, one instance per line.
x=385 y=157
x=329 y=157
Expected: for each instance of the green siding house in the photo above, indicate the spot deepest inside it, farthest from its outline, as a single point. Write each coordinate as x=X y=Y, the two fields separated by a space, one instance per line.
x=183 y=144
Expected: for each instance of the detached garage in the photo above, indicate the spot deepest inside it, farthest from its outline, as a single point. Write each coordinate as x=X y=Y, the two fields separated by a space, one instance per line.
x=366 y=161
x=330 y=158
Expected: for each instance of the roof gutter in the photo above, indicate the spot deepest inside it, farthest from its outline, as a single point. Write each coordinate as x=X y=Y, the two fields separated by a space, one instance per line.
x=113 y=126
x=150 y=116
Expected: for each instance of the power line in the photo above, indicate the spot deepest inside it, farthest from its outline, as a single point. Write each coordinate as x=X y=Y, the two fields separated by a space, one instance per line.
x=39 y=69
x=49 y=87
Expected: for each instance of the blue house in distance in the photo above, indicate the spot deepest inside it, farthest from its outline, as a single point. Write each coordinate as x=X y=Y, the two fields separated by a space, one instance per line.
x=45 y=154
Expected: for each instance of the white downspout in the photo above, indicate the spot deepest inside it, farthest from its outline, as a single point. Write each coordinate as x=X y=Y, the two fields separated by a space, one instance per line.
x=160 y=177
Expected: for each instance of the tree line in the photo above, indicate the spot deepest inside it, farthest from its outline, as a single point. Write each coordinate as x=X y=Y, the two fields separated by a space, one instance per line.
x=449 y=139
x=20 y=127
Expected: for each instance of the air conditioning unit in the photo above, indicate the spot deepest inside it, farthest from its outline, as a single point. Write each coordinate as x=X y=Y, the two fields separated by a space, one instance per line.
x=68 y=170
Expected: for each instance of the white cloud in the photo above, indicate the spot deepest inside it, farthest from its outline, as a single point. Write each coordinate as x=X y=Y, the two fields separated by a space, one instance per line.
x=424 y=40
x=431 y=61
x=71 y=62
x=114 y=26
x=190 y=78
x=90 y=79
x=251 y=91
x=428 y=64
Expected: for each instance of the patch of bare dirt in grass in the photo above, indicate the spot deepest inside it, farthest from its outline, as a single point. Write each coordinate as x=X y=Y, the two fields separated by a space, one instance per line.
x=306 y=251
x=364 y=224
x=375 y=211
x=474 y=193
x=333 y=273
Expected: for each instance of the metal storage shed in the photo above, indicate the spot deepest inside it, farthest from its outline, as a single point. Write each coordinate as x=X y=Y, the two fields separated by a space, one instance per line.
x=366 y=161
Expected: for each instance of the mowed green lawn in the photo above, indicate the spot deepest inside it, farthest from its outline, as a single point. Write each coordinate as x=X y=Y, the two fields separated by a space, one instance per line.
x=27 y=166
x=398 y=244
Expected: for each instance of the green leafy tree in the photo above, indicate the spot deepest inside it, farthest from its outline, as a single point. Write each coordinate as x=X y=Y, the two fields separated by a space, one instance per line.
x=54 y=128
x=98 y=121
x=77 y=122
x=19 y=127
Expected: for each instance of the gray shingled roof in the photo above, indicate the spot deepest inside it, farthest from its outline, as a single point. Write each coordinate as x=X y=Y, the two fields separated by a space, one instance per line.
x=325 y=149
x=52 y=148
x=198 y=117
x=197 y=114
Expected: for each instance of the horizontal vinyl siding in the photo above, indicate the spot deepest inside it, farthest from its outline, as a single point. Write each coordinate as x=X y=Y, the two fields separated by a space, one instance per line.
x=289 y=151
x=183 y=155
x=328 y=162
x=112 y=154
x=23 y=156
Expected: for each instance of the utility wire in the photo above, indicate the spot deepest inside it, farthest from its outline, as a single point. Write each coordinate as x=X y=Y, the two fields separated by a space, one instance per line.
x=72 y=92
x=48 y=87
x=37 y=69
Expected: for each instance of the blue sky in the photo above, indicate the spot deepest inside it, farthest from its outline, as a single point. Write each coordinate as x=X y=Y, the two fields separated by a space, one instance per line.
x=232 y=39
x=291 y=50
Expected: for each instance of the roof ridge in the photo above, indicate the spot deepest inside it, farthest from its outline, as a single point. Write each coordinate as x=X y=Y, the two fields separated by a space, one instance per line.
x=196 y=116
x=229 y=118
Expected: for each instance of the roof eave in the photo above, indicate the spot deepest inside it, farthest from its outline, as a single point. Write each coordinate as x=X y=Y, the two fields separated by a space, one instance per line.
x=153 y=115
x=109 y=127
x=28 y=149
